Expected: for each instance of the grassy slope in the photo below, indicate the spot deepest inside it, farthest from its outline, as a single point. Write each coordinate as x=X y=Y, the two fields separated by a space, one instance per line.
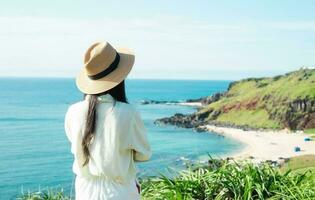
x=300 y=165
x=311 y=132
x=250 y=101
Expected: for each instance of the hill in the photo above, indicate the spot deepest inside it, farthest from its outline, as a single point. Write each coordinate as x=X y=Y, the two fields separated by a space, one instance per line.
x=284 y=101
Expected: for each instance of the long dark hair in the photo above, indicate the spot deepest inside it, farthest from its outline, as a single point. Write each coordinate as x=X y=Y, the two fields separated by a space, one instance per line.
x=119 y=94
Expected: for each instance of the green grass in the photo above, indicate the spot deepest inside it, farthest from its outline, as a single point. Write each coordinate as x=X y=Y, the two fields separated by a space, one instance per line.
x=305 y=170
x=48 y=194
x=231 y=181
x=310 y=131
x=254 y=118
x=300 y=164
x=223 y=180
x=298 y=84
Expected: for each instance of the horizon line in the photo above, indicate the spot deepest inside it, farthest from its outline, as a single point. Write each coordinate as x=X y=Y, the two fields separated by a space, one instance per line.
x=157 y=79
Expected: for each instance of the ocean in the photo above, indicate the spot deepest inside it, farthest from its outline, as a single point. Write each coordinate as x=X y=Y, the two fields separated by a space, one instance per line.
x=35 y=153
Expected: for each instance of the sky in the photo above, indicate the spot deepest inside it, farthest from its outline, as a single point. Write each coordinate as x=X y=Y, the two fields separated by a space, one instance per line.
x=172 y=39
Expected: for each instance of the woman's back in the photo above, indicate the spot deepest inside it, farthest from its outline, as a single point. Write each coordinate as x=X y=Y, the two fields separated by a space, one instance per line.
x=119 y=139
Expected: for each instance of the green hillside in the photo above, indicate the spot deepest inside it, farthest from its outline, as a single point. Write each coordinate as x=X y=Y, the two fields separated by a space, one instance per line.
x=276 y=102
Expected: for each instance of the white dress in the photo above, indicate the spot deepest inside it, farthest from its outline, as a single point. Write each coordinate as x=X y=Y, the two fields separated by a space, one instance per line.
x=120 y=140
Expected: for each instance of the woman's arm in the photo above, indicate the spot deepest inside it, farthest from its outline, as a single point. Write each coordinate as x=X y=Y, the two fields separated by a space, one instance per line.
x=139 y=140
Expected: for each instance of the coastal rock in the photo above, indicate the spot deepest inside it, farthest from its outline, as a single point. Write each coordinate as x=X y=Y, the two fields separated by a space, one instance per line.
x=201 y=129
x=209 y=99
x=197 y=122
x=184 y=121
x=203 y=100
x=300 y=114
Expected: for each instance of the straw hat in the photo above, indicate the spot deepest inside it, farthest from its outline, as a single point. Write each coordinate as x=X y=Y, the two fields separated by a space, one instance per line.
x=104 y=68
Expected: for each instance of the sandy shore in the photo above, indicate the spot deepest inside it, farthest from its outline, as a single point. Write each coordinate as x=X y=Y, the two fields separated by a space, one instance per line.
x=267 y=145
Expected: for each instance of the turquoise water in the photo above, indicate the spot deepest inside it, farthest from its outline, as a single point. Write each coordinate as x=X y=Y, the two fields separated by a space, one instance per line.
x=34 y=151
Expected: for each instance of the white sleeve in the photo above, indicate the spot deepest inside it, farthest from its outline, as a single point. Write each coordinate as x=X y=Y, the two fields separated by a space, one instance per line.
x=139 y=140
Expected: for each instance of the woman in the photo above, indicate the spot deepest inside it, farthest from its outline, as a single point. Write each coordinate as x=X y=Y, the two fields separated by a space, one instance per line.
x=106 y=133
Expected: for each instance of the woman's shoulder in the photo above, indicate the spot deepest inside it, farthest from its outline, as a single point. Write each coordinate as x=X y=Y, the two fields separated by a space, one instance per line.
x=76 y=107
x=127 y=108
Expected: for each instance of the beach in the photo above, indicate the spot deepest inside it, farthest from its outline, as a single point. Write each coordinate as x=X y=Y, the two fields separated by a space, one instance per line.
x=266 y=145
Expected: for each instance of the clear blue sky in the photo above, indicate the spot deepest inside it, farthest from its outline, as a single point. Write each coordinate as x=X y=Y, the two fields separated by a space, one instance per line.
x=172 y=39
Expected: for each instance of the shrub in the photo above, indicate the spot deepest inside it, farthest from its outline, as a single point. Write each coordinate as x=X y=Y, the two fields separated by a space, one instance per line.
x=231 y=181
x=48 y=194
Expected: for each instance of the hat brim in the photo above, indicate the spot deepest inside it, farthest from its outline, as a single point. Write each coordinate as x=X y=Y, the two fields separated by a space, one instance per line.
x=89 y=86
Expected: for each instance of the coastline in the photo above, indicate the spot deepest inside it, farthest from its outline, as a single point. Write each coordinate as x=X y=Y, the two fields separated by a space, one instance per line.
x=260 y=145
x=192 y=104
x=266 y=145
